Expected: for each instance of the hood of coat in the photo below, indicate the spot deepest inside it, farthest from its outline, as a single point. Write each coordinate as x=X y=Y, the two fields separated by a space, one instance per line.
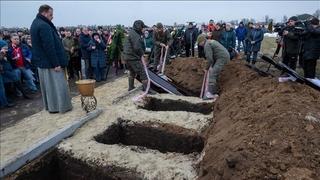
x=138 y=25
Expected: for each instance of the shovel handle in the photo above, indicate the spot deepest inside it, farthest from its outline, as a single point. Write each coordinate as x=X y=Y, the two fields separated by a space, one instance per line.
x=203 y=84
x=164 y=61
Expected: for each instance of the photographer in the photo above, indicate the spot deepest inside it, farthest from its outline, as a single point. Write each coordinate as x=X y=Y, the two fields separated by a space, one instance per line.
x=291 y=46
x=311 y=49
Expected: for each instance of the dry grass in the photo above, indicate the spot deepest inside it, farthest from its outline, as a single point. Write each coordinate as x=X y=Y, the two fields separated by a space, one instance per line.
x=268 y=46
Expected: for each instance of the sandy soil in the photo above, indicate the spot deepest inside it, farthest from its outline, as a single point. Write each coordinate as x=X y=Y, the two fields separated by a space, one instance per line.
x=28 y=107
x=150 y=164
x=15 y=139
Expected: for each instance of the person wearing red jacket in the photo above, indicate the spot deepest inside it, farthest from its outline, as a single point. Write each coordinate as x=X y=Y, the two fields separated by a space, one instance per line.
x=211 y=26
x=20 y=59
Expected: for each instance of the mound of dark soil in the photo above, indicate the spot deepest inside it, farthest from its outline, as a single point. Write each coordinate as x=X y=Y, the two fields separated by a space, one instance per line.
x=187 y=74
x=263 y=129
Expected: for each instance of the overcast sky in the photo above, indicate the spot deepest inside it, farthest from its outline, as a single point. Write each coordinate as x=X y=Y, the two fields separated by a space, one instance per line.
x=21 y=13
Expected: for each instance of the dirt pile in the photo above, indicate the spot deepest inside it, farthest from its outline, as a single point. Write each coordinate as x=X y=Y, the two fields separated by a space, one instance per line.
x=263 y=129
x=187 y=74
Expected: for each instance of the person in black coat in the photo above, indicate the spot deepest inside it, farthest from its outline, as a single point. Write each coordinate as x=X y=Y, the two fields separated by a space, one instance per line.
x=291 y=44
x=85 y=58
x=311 y=48
x=190 y=37
x=255 y=38
x=98 y=57
x=50 y=58
x=47 y=51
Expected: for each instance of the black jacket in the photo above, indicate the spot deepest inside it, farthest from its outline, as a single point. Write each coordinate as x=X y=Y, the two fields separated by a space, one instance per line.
x=133 y=48
x=311 y=46
x=291 y=42
x=84 y=44
x=190 y=33
x=47 y=48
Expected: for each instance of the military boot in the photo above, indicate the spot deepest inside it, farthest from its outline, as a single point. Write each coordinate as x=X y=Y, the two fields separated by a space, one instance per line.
x=131 y=83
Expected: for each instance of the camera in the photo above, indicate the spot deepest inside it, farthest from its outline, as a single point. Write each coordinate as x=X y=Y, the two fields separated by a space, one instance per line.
x=299 y=28
x=279 y=27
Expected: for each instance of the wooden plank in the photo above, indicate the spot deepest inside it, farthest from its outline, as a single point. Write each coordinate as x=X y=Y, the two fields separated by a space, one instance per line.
x=45 y=144
x=126 y=95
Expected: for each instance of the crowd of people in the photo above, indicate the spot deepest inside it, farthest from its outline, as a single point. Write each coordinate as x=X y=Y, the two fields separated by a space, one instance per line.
x=300 y=41
x=44 y=54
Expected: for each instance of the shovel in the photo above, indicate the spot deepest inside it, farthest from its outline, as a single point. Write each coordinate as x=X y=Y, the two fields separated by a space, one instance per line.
x=204 y=82
x=140 y=98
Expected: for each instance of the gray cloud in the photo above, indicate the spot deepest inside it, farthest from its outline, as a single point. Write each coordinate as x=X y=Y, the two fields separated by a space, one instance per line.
x=21 y=13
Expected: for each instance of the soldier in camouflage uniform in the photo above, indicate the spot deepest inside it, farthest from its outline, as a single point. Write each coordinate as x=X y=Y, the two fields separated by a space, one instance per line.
x=161 y=38
x=217 y=56
x=132 y=52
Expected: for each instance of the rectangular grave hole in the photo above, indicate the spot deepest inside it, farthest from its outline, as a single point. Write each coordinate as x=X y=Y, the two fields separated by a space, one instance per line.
x=57 y=166
x=155 y=104
x=158 y=136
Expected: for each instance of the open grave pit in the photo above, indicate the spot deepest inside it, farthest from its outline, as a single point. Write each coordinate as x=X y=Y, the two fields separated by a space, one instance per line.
x=152 y=135
x=156 y=104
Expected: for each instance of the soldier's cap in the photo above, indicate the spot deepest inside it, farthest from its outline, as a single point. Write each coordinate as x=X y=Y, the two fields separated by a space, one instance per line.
x=201 y=38
x=159 y=25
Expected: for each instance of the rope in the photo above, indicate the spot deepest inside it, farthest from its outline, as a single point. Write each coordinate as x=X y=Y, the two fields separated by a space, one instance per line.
x=140 y=97
x=207 y=80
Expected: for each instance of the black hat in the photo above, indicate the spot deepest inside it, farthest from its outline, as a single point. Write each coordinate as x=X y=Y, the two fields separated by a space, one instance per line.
x=293 y=18
x=95 y=33
x=139 y=23
x=159 y=25
x=61 y=29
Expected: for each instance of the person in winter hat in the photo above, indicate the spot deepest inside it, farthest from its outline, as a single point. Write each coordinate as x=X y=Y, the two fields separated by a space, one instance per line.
x=98 y=57
x=311 y=50
x=133 y=51
x=241 y=33
x=217 y=57
x=291 y=47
